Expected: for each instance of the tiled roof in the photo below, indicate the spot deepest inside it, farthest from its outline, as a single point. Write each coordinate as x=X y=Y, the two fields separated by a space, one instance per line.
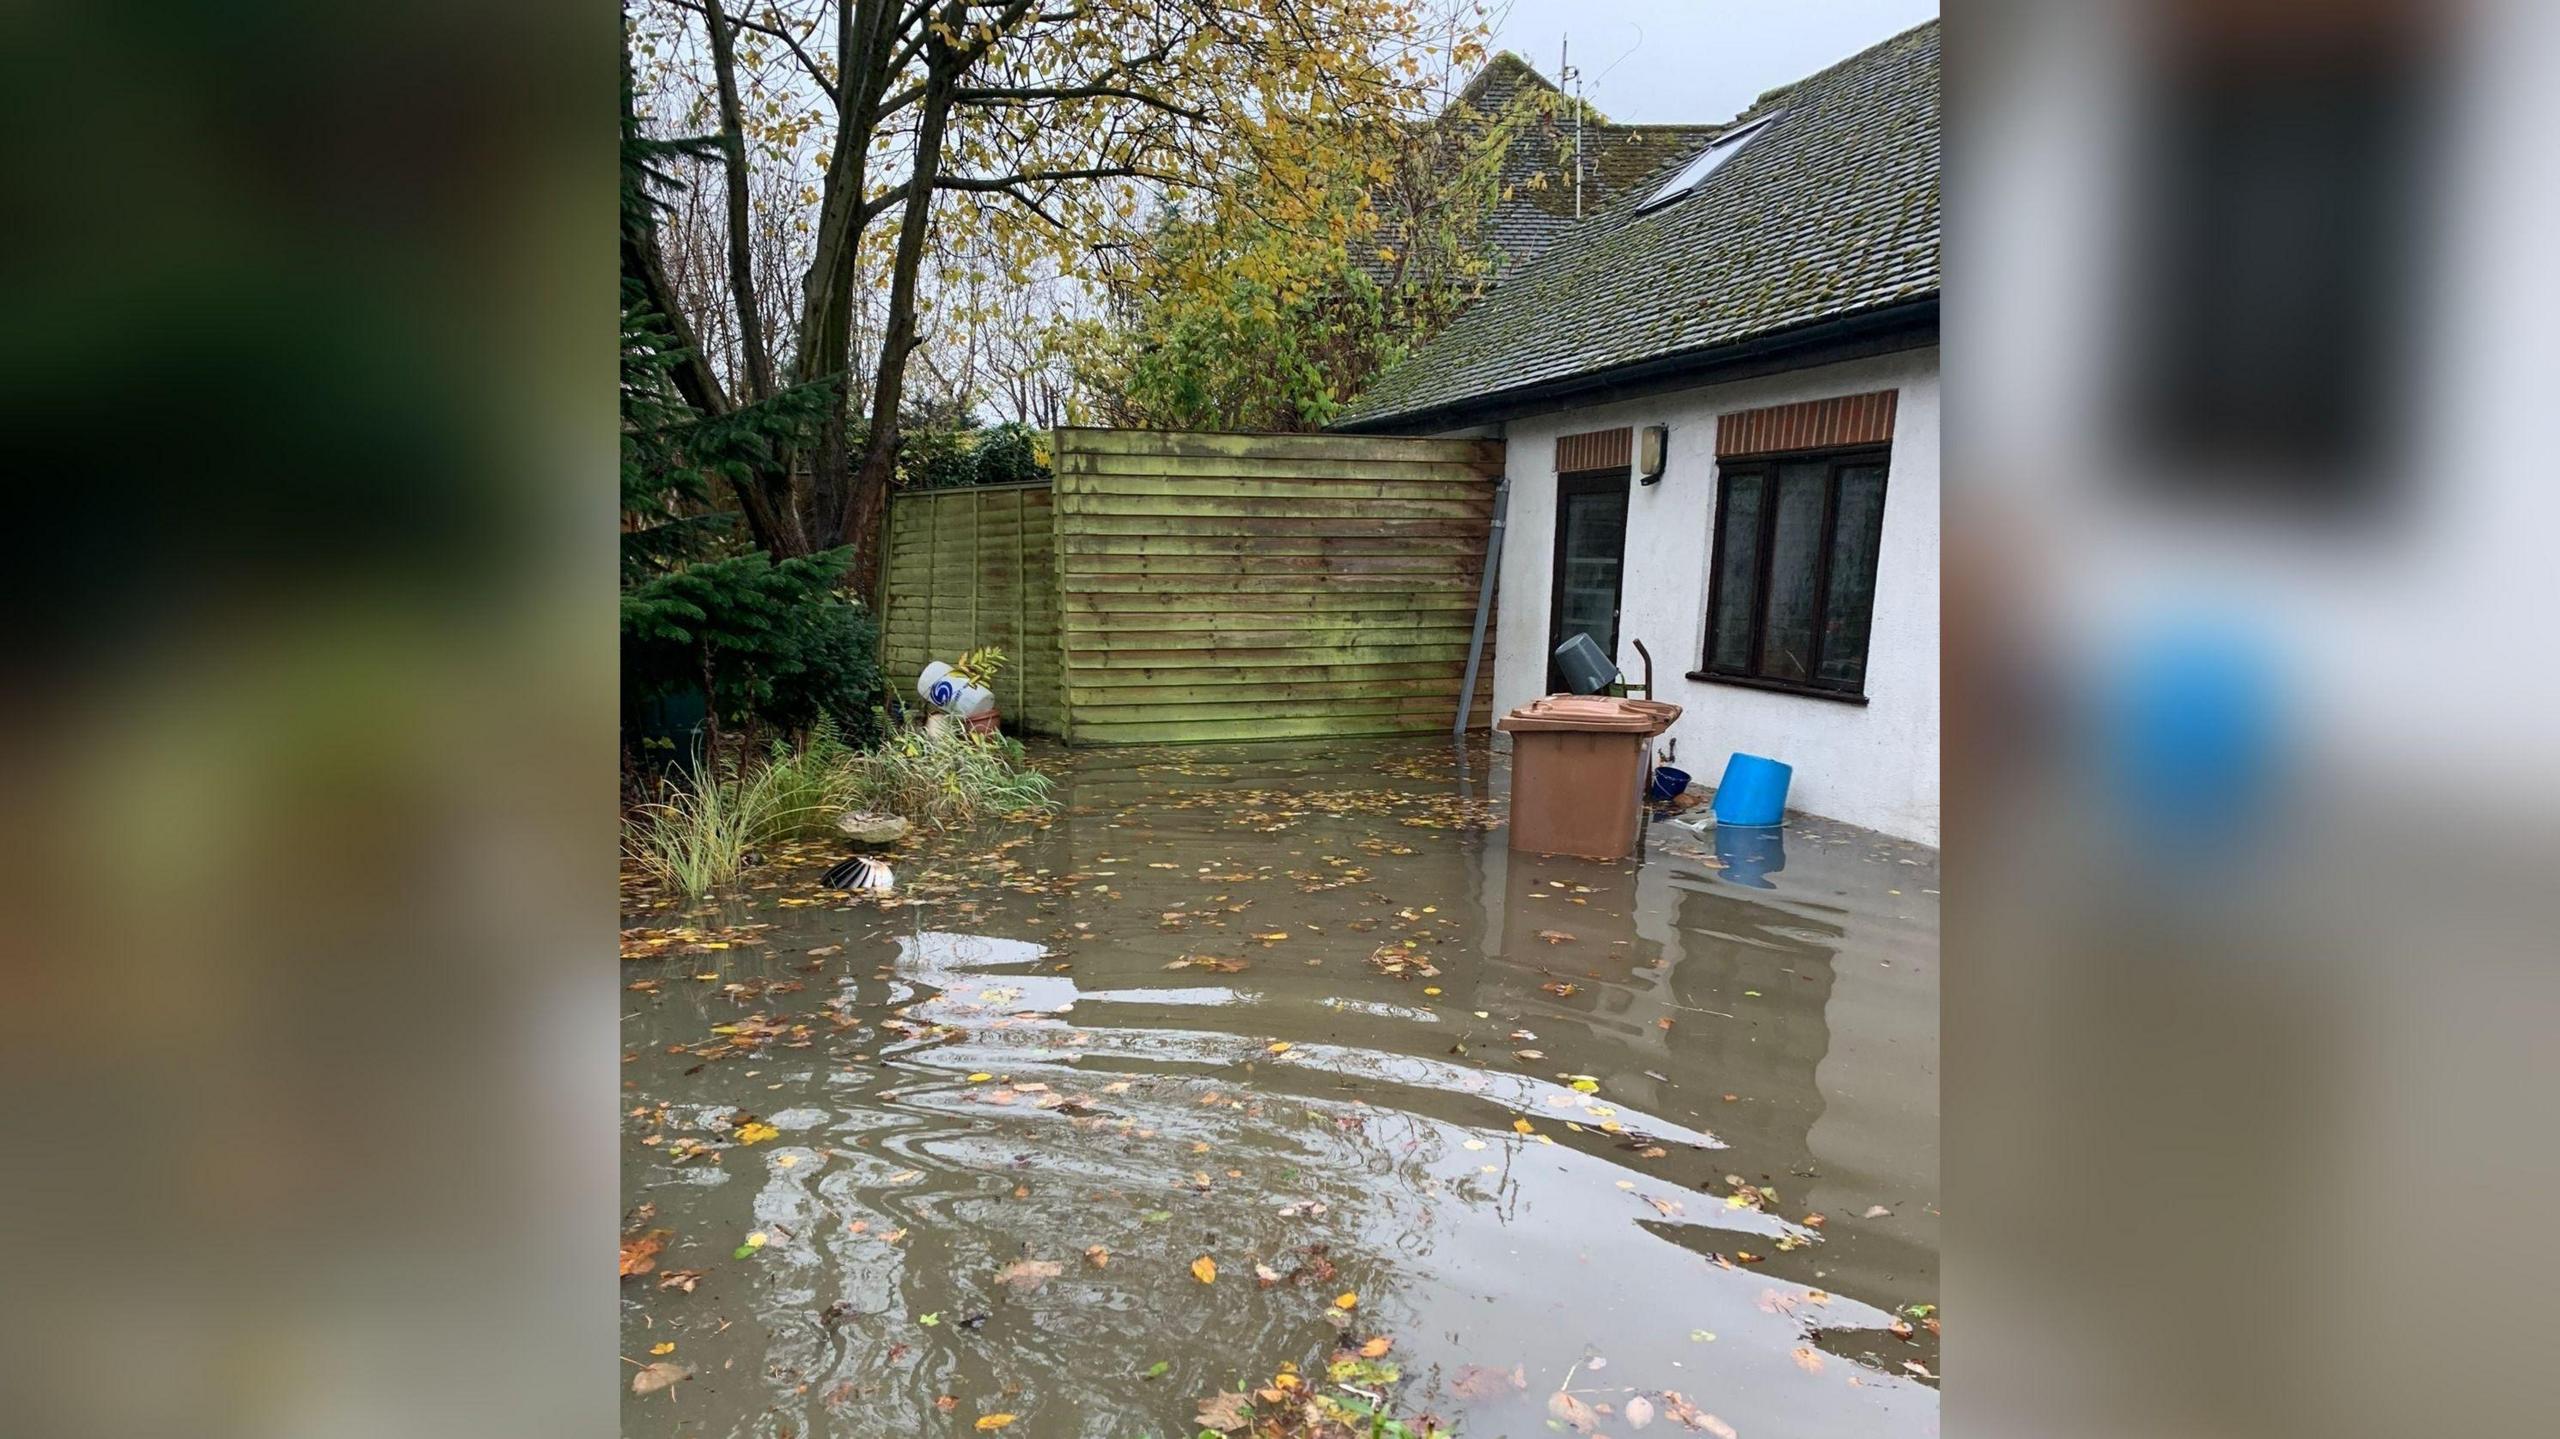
x=1831 y=209
x=1537 y=203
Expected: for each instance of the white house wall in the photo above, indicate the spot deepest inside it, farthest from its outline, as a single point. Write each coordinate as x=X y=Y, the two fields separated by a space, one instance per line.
x=1873 y=765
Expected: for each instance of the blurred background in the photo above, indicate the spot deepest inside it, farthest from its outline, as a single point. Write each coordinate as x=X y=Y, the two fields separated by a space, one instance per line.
x=2254 y=807
x=2253 y=794
x=309 y=799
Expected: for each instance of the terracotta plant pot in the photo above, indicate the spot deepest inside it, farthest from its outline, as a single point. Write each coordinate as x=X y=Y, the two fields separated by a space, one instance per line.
x=984 y=722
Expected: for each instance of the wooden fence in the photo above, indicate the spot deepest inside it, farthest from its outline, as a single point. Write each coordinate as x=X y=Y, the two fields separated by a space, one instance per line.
x=972 y=567
x=1236 y=587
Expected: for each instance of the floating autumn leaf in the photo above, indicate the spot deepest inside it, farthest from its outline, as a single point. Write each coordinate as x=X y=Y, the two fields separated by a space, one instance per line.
x=1554 y=936
x=1226 y=1412
x=1205 y=1269
x=1586 y=1084
x=756 y=1131
x=640 y=1251
x=1267 y=1275
x=1637 y=1411
x=1025 y=1275
x=1572 y=1412
x=683 y=1279
x=1376 y=1347
x=1346 y=1301
x=663 y=1347
x=1274 y=937
x=1486 y=1381
x=1808 y=1360
x=754 y=1242
x=1559 y=988
x=1210 y=962
x=1279 y=1046
x=654 y=1377
x=996 y=1421
x=1524 y=1126
x=1916 y=1367
x=1097 y=1256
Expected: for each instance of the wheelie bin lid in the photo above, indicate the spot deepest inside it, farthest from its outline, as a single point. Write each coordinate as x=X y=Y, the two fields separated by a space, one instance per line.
x=1604 y=714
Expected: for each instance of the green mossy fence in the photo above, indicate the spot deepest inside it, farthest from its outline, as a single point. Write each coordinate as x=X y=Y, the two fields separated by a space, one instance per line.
x=1211 y=586
x=971 y=567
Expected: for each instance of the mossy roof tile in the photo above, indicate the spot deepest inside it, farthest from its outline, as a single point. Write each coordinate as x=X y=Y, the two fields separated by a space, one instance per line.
x=1830 y=210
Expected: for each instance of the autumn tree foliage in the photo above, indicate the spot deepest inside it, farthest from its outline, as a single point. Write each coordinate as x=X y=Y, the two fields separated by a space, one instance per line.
x=1272 y=302
x=894 y=174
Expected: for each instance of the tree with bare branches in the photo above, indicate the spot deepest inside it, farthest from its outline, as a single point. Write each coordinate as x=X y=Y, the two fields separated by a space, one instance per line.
x=950 y=156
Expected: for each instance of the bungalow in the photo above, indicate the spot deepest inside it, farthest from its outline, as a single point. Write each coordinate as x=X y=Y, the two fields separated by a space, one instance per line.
x=1720 y=401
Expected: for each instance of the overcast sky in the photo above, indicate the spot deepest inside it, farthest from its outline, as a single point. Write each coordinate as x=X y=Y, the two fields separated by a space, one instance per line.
x=1654 y=61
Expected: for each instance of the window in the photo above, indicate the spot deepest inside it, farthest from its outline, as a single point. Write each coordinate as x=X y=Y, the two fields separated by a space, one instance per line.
x=1709 y=160
x=1793 y=584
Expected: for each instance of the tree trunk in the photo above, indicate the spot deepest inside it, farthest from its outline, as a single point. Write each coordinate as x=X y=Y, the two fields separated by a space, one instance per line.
x=733 y=134
x=865 y=33
x=867 y=497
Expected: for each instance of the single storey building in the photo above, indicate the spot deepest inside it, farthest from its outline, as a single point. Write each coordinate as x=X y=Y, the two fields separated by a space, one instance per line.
x=1720 y=402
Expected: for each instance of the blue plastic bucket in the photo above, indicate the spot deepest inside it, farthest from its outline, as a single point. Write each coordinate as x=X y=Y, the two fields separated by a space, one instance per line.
x=1667 y=783
x=1753 y=791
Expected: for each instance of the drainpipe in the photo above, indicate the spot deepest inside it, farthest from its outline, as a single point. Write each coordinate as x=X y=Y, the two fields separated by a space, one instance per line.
x=1484 y=598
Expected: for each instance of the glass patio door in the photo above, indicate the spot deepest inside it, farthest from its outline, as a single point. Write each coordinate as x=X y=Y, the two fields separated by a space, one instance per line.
x=1591 y=545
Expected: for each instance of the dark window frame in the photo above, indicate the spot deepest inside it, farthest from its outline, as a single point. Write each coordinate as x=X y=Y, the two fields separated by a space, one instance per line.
x=1766 y=466
x=1591 y=482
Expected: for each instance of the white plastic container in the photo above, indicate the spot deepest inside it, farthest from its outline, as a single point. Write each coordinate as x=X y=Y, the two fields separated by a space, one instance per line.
x=942 y=689
x=936 y=676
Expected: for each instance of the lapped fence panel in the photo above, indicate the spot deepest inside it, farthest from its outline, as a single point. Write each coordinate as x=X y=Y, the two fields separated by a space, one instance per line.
x=972 y=567
x=1233 y=587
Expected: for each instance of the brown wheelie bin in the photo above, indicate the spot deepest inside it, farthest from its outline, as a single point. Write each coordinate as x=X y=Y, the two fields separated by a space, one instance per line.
x=1578 y=772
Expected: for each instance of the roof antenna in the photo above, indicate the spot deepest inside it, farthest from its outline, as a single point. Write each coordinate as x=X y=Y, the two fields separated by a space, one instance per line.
x=1567 y=75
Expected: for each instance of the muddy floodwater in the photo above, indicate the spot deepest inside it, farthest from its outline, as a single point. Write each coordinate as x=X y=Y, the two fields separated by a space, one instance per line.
x=1661 y=1135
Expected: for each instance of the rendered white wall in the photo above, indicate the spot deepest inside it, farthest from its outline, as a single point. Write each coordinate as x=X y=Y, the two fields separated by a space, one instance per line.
x=1874 y=765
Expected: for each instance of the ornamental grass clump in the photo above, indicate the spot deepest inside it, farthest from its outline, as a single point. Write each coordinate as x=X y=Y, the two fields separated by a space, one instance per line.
x=704 y=831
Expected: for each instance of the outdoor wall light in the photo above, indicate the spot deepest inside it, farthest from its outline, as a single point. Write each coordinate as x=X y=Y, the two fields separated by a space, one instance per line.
x=1650 y=454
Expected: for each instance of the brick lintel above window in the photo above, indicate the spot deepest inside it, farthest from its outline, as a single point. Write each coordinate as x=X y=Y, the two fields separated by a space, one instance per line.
x=1595 y=450
x=1835 y=423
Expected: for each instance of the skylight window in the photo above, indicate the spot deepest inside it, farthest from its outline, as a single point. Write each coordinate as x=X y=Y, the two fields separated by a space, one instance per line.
x=1709 y=160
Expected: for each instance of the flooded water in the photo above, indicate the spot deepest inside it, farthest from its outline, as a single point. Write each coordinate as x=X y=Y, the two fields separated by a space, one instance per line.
x=1299 y=1012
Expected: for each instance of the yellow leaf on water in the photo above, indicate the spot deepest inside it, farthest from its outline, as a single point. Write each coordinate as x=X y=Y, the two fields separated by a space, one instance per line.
x=1347 y=1301
x=666 y=1347
x=980 y=1078
x=1280 y=1046
x=1205 y=1269
x=756 y=1240
x=1587 y=1085
x=1523 y=1126
x=1376 y=1347
x=996 y=1421
x=755 y=1131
